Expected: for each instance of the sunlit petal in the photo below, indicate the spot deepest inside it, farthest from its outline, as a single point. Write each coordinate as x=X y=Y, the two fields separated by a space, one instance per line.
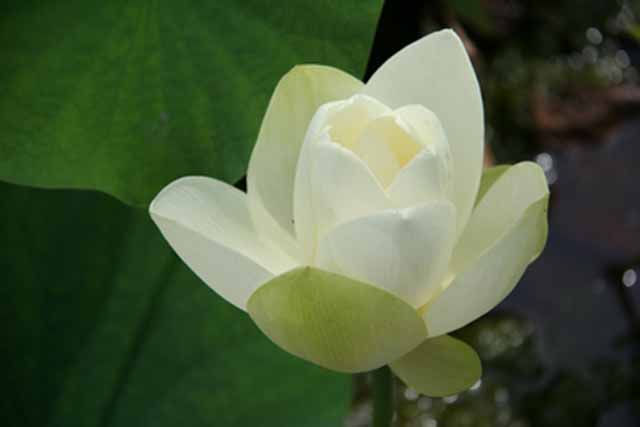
x=483 y=284
x=501 y=205
x=333 y=186
x=208 y=224
x=436 y=72
x=271 y=173
x=404 y=251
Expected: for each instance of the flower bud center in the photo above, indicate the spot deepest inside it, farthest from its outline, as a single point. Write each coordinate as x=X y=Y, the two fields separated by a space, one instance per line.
x=385 y=139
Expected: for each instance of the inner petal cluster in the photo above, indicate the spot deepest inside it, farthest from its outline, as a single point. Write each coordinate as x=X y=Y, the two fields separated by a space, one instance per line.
x=385 y=140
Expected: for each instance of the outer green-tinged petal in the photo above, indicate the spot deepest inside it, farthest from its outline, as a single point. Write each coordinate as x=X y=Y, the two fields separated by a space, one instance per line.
x=273 y=162
x=333 y=186
x=404 y=251
x=439 y=367
x=436 y=72
x=484 y=284
x=513 y=191
x=335 y=322
x=208 y=224
x=489 y=177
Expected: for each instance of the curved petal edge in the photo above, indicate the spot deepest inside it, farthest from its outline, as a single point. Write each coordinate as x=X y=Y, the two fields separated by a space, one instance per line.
x=492 y=277
x=335 y=322
x=272 y=166
x=436 y=72
x=439 y=367
x=207 y=223
x=506 y=192
x=404 y=251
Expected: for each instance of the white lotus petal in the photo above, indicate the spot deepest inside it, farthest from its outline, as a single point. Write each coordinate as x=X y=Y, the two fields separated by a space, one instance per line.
x=427 y=177
x=345 y=119
x=332 y=183
x=405 y=251
x=208 y=224
x=421 y=181
x=425 y=127
x=485 y=283
x=332 y=186
x=376 y=153
x=386 y=146
x=436 y=72
x=271 y=173
x=501 y=206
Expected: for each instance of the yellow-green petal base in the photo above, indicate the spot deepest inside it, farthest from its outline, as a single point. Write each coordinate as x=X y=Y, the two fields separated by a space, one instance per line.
x=335 y=322
x=438 y=367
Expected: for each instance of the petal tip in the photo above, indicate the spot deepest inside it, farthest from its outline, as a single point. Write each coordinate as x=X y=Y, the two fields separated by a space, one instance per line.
x=439 y=367
x=536 y=173
x=155 y=204
x=447 y=35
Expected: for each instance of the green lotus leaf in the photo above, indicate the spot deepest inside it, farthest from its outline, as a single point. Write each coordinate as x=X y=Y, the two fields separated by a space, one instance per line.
x=336 y=322
x=103 y=326
x=440 y=366
x=126 y=96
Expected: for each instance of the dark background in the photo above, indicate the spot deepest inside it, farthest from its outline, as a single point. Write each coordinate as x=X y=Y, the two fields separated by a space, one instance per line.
x=560 y=87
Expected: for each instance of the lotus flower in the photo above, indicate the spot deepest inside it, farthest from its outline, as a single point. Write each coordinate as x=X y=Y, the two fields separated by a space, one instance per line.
x=368 y=230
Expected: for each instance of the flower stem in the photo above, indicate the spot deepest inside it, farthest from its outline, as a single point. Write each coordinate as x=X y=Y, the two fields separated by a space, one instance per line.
x=383 y=397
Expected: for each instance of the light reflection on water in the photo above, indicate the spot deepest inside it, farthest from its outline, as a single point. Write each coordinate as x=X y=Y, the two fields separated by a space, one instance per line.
x=629 y=278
